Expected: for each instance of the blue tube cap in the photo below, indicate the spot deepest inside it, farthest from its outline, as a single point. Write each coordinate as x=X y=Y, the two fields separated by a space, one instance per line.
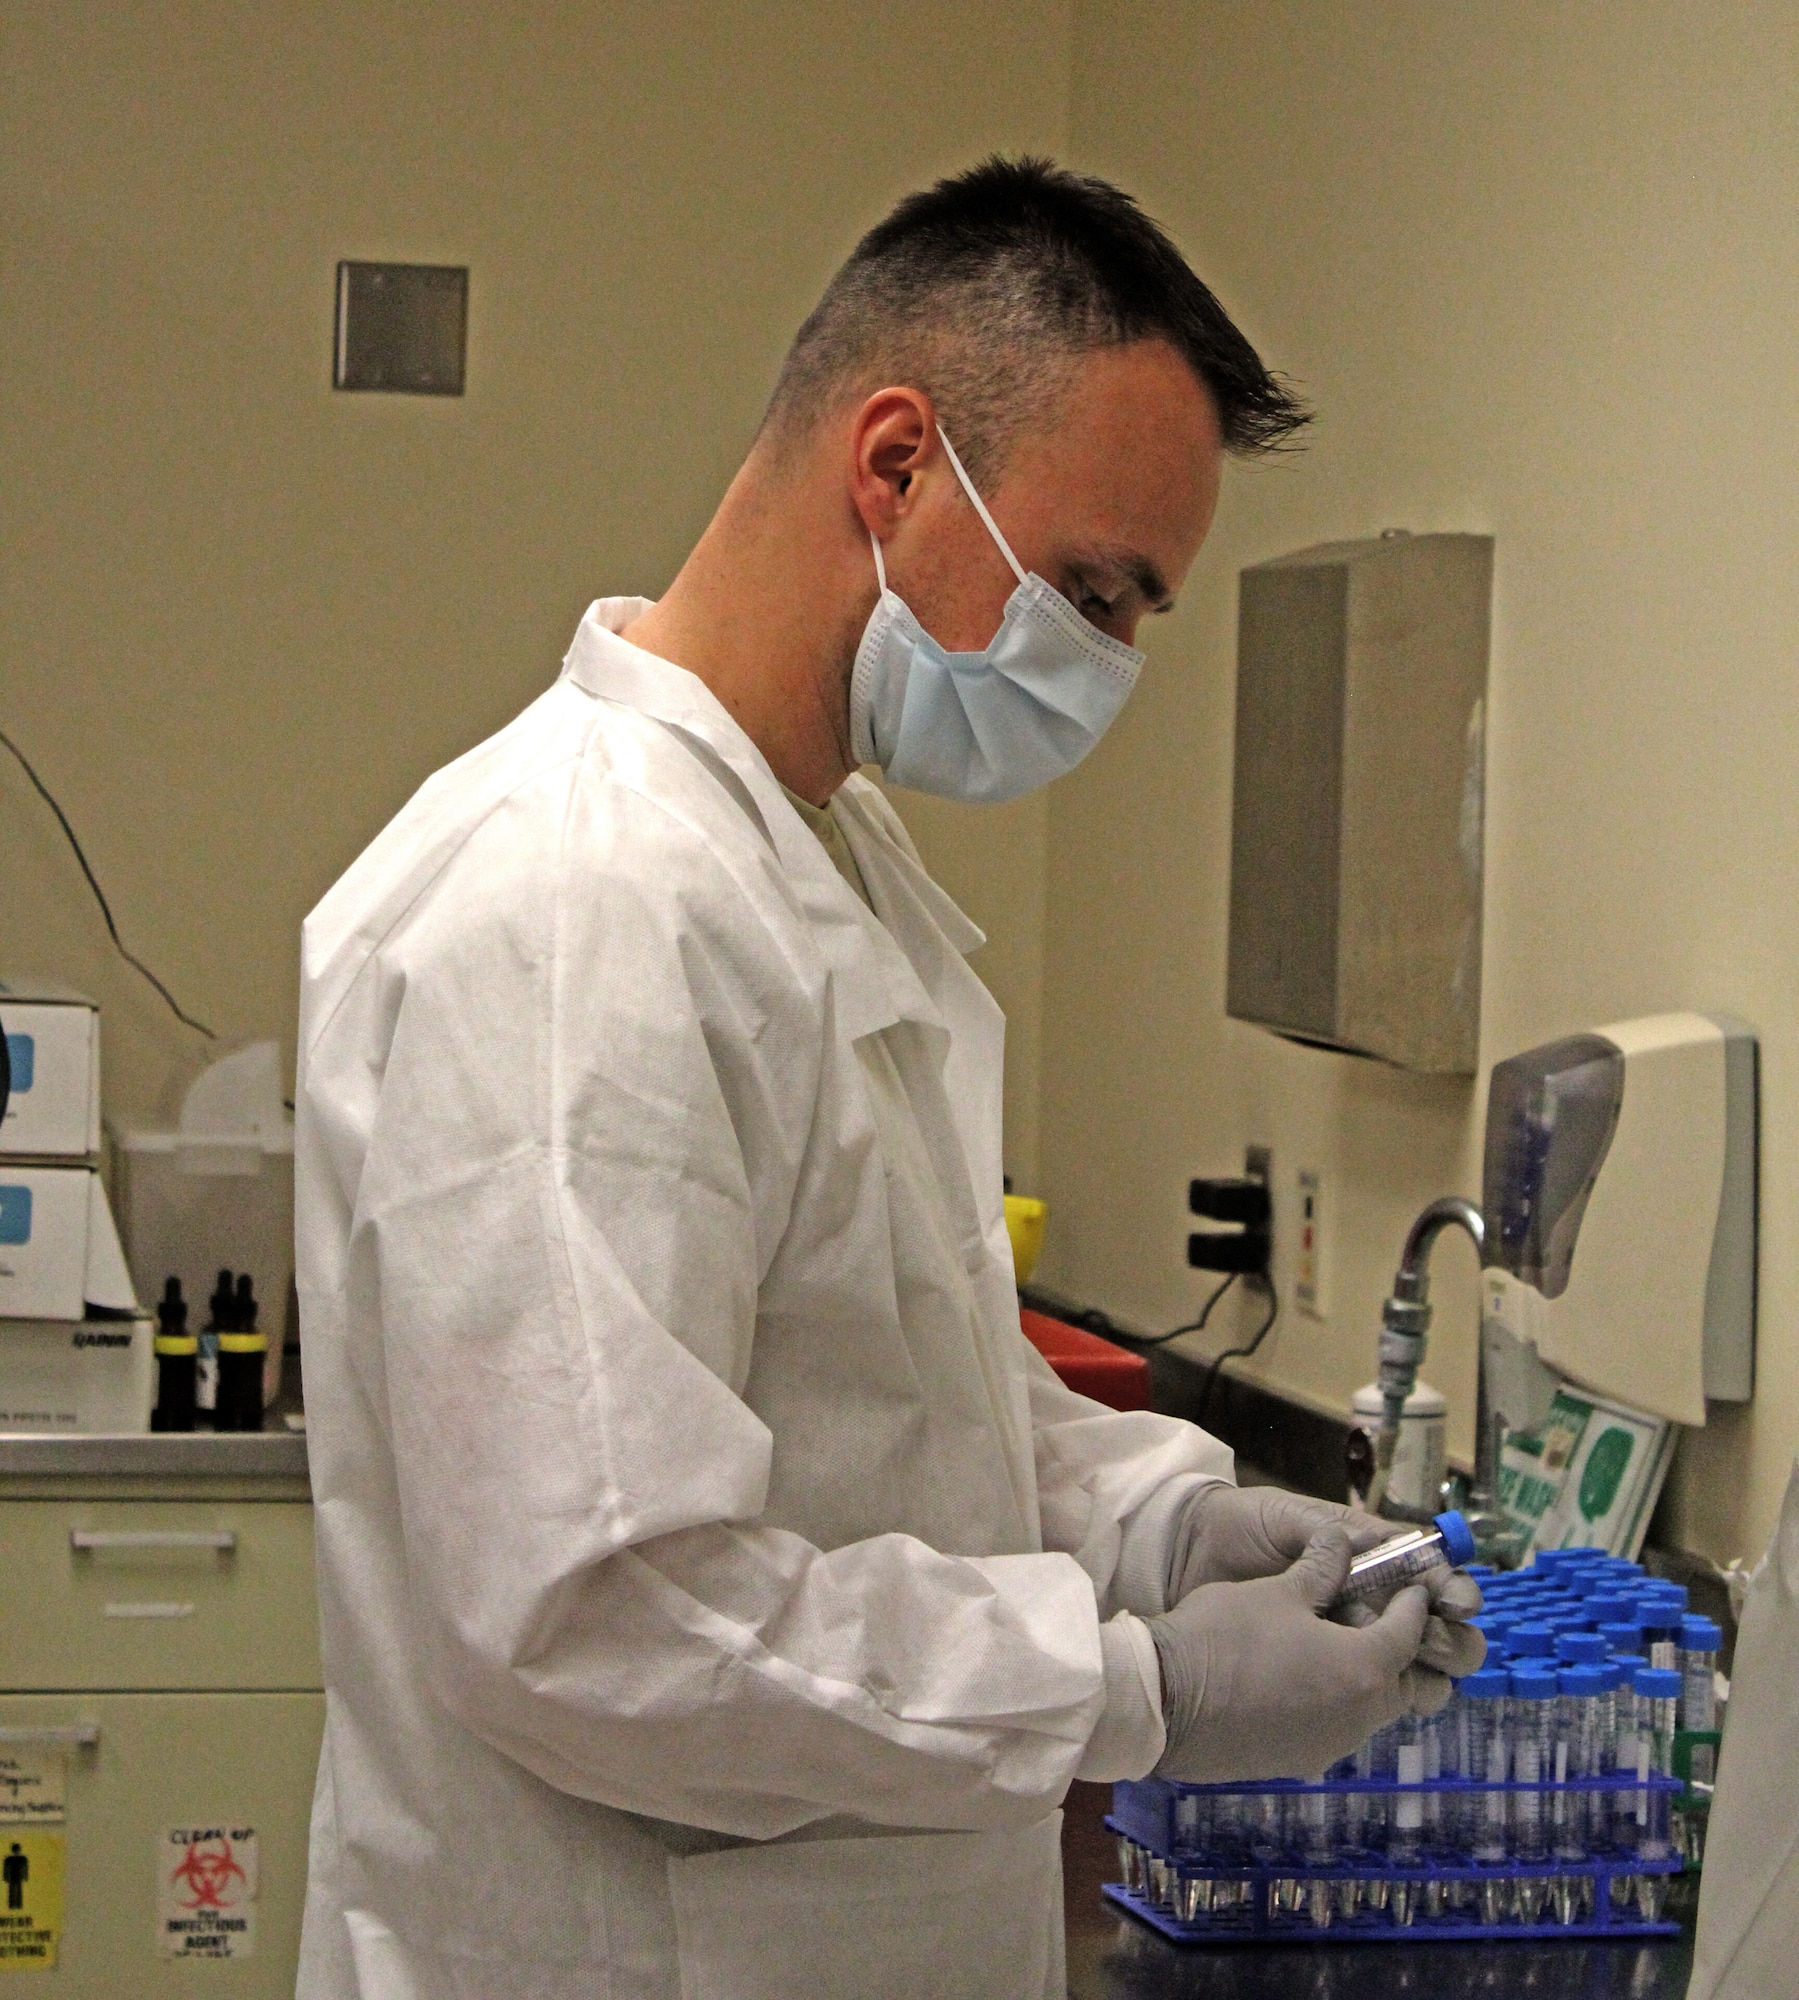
x=1584 y=1680
x=1699 y=1635
x=1531 y=1641
x=1490 y=1683
x=1581 y=1649
x=1458 y=1539
x=1538 y=1683
x=1657 y=1683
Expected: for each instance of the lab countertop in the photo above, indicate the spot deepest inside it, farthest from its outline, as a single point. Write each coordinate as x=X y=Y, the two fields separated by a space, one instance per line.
x=1113 y=1957
x=192 y=1465
x=218 y=1454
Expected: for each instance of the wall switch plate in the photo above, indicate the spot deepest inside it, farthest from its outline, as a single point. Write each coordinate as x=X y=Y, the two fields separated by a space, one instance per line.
x=1309 y=1267
x=402 y=328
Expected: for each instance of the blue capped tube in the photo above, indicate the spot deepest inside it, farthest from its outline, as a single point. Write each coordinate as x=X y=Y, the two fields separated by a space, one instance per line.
x=1699 y=1643
x=1380 y=1571
x=1582 y=1701
x=1533 y=1716
x=1657 y=1692
x=1487 y=1734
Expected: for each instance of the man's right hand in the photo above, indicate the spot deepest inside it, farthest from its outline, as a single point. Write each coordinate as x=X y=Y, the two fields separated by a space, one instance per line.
x=1256 y=1684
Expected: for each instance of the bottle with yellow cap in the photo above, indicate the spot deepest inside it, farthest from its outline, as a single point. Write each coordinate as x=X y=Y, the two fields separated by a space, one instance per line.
x=242 y=1351
x=177 y=1357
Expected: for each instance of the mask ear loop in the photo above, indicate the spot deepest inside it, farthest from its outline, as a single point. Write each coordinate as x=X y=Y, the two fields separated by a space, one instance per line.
x=980 y=506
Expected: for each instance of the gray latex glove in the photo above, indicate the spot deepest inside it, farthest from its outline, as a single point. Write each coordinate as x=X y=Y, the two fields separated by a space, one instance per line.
x=1229 y=1534
x=1451 y=1647
x=1256 y=1684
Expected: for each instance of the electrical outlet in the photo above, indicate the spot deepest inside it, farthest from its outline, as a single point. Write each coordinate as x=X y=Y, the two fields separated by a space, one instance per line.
x=1311 y=1264
x=1245 y=1205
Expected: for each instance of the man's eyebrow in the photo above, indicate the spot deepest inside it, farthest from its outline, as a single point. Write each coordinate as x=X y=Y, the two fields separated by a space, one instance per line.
x=1136 y=568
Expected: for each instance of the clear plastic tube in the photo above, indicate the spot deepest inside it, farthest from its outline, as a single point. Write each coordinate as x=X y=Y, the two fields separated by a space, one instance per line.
x=1405 y=1824
x=1320 y=1846
x=1698 y=1660
x=1381 y=1571
x=1533 y=1712
x=1533 y=1755
x=1486 y=1813
x=1699 y=1643
x=1658 y=1716
x=1580 y=1722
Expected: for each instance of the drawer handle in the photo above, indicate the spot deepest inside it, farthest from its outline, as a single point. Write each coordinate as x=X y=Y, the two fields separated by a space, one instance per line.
x=223 y=1539
x=80 y=1734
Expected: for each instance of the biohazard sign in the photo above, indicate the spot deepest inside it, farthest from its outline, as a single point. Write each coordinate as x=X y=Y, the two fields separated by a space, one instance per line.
x=206 y=1891
x=31 y=1871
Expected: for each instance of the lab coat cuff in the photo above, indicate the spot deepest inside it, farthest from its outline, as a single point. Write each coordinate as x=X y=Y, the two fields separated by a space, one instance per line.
x=1129 y=1739
x=1146 y=1555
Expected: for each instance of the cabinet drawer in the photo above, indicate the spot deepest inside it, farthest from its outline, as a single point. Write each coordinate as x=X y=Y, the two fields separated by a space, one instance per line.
x=157 y=1594
x=154 y=1763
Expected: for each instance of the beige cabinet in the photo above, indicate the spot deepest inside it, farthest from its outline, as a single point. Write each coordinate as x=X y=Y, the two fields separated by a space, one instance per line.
x=159 y=1673
x=157 y=1765
x=144 y=1594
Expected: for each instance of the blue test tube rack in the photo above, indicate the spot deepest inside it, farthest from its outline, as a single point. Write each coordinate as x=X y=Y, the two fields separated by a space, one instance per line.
x=1194 y=1899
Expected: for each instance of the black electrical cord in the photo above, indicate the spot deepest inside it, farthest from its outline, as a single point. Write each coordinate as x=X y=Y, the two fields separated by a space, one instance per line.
x=130 y=958
x=1238 y=1353
x=1092 y=1319
x=1192 y=1326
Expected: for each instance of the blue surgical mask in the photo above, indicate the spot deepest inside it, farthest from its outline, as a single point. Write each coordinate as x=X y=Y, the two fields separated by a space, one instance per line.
x=990 y=725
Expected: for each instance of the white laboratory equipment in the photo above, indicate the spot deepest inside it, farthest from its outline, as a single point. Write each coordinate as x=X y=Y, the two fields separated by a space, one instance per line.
x=1619 y=1192
x=217 y=1192
x=1748 y=1936
x=1420 y=1458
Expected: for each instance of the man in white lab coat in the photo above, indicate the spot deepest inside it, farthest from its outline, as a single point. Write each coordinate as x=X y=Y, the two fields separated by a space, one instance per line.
x=718 y=1595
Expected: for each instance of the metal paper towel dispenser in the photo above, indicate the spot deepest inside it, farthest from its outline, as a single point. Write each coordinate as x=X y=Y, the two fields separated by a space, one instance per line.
x=1356 y=817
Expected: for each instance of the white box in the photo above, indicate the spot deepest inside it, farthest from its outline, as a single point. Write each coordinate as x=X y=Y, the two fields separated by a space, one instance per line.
x=217 y=1193
x=98 y=1375
x=53 y=1040
x=59 y=1252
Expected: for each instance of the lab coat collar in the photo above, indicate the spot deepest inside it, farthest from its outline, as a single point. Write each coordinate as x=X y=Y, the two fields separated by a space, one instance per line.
x=881 y=977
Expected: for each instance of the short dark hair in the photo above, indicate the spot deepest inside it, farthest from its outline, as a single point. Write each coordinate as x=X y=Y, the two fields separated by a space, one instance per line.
x=986 y=288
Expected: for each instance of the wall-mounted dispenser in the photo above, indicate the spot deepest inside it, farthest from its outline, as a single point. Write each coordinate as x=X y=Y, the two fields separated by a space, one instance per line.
x=1620 y=1201
x=1356 y=817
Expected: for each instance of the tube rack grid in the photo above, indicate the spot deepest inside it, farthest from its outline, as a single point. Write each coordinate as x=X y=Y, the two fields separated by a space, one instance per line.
x=1175 y=1889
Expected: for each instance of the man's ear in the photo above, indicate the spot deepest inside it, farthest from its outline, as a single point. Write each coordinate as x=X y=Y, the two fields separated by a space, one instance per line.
x=891 y=436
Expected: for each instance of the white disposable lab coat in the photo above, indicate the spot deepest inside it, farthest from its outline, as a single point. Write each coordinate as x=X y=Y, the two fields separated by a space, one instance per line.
x=1747 y=1947
x=717 y=1592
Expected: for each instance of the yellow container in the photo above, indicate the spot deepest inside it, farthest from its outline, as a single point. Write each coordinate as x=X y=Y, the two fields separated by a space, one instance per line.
x=1024 y=1224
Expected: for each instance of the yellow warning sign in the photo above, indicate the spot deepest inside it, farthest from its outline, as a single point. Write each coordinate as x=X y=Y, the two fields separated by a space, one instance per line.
x=31 y=1872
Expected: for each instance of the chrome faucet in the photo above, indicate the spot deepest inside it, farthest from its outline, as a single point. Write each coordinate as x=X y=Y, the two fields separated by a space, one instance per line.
x=1405 y=1324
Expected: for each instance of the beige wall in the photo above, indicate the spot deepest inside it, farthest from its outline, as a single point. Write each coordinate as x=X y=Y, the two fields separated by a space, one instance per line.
x=1539 y=267
x=240 y=616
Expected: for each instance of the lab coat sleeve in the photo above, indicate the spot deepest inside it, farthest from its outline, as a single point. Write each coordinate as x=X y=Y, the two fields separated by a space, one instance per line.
x=602 y=1072
x=1112 y=1485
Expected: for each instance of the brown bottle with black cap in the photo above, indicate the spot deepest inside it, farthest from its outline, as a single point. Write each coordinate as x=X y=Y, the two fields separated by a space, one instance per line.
x=177 y=1359
x=242 y=1352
